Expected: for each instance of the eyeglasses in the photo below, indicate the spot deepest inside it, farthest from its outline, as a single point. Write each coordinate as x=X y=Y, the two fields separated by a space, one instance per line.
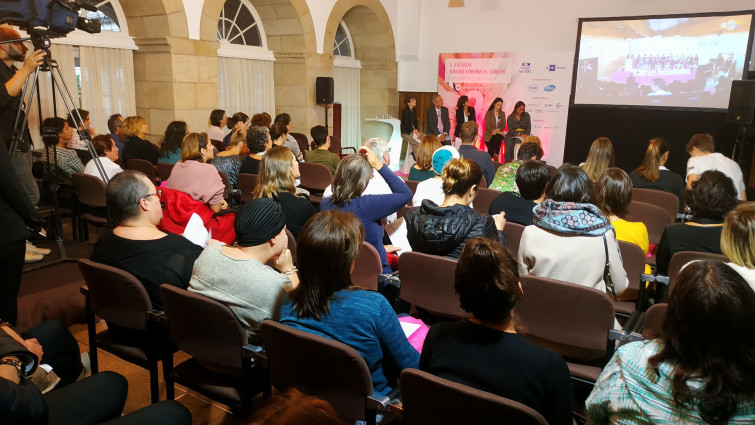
x=158 y=193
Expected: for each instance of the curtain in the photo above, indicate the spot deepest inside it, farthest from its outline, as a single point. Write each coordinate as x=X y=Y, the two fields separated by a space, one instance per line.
x=246 y=85
x=107 y=84
x=346 y=92
x=63 y=55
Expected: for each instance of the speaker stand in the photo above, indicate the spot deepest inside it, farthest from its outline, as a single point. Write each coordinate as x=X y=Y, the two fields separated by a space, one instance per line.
x=326 y=106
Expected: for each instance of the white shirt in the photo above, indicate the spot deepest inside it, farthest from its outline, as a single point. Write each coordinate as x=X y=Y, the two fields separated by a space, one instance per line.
x=110 y=167
x=431 y=189
x=716 y=161
x=747 y=274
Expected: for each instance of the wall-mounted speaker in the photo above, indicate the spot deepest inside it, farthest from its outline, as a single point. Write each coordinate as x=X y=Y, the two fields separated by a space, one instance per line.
x=324 y=90
x=741 y=102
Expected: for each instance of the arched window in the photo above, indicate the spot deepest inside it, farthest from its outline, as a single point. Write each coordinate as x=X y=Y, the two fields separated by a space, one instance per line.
x=342 y=45
x=240 y=32
x=346 y=73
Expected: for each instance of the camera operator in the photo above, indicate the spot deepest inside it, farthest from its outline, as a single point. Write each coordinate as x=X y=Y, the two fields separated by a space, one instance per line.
x=16 y=209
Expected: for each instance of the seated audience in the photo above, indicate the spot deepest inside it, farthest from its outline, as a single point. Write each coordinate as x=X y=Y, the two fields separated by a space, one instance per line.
x=444 y=229
x=599 y=158
x=702 y=158
x=712 y=196
x=136 y=245
x=238 y=122
x=278 y=134
x=135 y=129
x=432 y=189
x=701 y=369
x=56 y=150
x=194 y=176
x=571 y=236
x=653 y=174
x=376 y=185
x=108 y=154
x=262 y=119
x=258 y=141
x=505 y=175
x=114 y=124
x=485 y=351
x=349 y=185
x=614 y=194
x=291 y=142
x=170 y=149
x=423 y=169
x=469 y=137
x=77 y=143
x=218 y=120
x=738 y=240
x=238 y=275
x=320 y=154
x=229 y=161
x=277 y=178
x=326 y=303
x=531 y=178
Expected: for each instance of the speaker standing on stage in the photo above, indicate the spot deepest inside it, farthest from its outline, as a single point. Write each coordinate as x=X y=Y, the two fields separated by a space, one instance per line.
x=495 y=123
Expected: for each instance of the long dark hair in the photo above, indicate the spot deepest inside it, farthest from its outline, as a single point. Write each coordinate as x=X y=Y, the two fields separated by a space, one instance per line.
x=516 y=106
x=707 y=337
x=570 y=184
x=174 y=135
x=461 y=101
x=496 y=100
x=333 y=235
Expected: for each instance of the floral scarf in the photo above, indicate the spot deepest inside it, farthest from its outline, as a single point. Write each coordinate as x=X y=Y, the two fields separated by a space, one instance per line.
x=571 y=217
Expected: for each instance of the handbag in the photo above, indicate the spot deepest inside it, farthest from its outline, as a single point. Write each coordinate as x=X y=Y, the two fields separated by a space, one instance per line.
x=607 y=272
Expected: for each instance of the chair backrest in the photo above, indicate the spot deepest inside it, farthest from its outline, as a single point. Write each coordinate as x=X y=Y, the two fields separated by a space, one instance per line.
x=483 y=183
x=335 y=145
x=367 y=267
x=655 y=218
x=412 y=186
x=427 y=281
x=633 y=260
x=246 y=183
x=116 y=295
x=428 y=399
x=497 y=165
x=570 y=319
x=226 y=183
x=218 y=144
x=216 y=338
x=90 y=189
x=513 y=232
x=654 y=317
x=164 y=169
x=665 y=200
x=291 y=245
x=144 y=166
x=484 y=198
x=301 y=140
x=681 y=258
x=314 y=176
x=319 y=366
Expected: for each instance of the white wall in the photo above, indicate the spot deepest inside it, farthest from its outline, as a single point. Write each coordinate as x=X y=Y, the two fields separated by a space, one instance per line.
x=508 y=25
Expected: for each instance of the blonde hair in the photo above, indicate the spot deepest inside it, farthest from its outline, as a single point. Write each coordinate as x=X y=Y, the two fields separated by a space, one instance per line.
x=599 y=158
x=275 y=173
x=427 y=146
x=649 y=170
x=132 y=125
x=738 y=235
x=459 y=175
x=532 y=139
x=191 y=146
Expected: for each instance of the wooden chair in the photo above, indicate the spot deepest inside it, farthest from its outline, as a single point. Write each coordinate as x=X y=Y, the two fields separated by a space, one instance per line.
x=484 y=198
x=665 y=200
x=633 y=260
x=90 y=195
x=144 y=166
x=427 y=282
x=367 y=267
x=246 y=183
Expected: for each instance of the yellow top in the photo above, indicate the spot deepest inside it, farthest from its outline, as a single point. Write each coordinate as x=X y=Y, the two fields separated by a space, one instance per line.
x=633 y=232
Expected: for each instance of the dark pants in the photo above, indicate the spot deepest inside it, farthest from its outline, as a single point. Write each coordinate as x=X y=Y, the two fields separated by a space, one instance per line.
x=11 y=267
x=494 y=145
x=61 y=351
x=508 y=155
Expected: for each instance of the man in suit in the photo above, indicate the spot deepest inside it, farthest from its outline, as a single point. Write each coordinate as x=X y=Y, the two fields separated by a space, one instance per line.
x=437 y=120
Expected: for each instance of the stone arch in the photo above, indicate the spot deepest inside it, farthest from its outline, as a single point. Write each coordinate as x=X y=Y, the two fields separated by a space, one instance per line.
x=374 y=47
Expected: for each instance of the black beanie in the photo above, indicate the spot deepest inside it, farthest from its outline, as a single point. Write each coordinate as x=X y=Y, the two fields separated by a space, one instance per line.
x=258 y=221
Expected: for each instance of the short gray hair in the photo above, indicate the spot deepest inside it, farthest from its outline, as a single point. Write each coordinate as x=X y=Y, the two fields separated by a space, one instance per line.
x=377 y=145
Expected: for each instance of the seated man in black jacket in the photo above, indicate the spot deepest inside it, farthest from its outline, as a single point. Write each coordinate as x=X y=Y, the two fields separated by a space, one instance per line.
x=531 y=179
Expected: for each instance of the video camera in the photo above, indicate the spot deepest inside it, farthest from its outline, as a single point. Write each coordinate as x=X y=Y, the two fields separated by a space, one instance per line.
x=47 y=18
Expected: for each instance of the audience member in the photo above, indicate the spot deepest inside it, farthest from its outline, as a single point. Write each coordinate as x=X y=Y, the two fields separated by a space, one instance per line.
x=278 y=134
x=738 y=240
x=170 y=149
x=519 y=125
x=135 y=129
x=468 y=138
x=702 y=158
x=464 y=114
x=531 y=178
x=218 y=120
x=238 y=275
x=495 y=124
x=711 y=197
x=326 y=303
x=349 y=185
x=432 y=189
x=296 y=408
x=277 y=180
x=409 y=124
x=291 y=142
x=505 y=175
x=423 y=169
x=108 y=154
x=599 y=158
x=194 y=176
x=114 y=124
x=614 y=194
x=258 y=141
x=261 y=120
x=229 y=161
x=76 y=117
x=55 y=150
x=569 y=220
x=136 y=245
x=444 y=229
x=437 y=122
x=701 y=370
x=320 y=154
x=238 y=122
x=495 y=357
x=652 y=173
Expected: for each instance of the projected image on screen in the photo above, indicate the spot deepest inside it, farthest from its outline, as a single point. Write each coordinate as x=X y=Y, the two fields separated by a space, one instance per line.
x=675 y=62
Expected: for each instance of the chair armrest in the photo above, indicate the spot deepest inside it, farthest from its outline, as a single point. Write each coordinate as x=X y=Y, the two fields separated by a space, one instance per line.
x=353 y=149
x=396 y=410
x=663 y=280
x=84 y=291
x=377 y=402
x=158 y=317
x=255 y=352
x=624 y=337
x=390 y=279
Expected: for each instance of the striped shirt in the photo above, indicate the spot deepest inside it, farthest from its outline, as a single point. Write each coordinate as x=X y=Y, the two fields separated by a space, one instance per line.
x=68 y=161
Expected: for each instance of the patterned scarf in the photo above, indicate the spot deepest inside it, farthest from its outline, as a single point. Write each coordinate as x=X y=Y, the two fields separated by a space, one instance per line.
x=572 y=218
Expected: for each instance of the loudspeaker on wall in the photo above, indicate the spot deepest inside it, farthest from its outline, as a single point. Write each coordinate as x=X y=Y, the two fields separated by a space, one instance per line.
x=324 y=90
x=741 y=102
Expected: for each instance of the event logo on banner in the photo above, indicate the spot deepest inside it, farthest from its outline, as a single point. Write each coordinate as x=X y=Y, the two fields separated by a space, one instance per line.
x=542 y=80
